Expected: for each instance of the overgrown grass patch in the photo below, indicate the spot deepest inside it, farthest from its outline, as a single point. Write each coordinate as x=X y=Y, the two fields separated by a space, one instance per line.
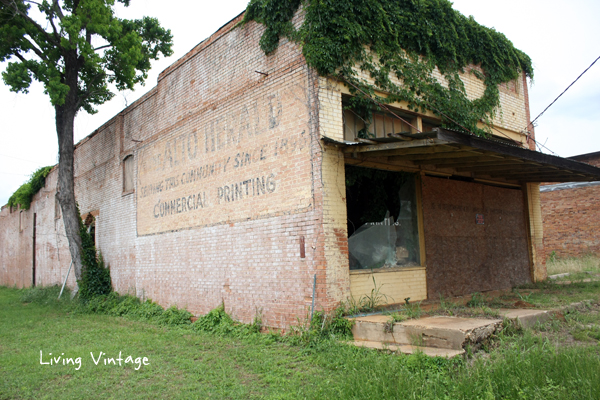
x=586 y=263
x=215 y=358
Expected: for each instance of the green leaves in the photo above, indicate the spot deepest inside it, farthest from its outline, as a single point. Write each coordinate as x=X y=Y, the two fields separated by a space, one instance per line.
x=410 y=38
x=78 y=49
x=276 y=16
x=24 y=194
x=95 y=276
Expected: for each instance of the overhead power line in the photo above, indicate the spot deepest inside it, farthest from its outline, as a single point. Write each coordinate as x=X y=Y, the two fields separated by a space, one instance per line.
x=564 y=91
x=21 y=159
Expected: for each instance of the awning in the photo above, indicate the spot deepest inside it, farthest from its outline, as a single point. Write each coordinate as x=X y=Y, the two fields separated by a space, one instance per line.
x=451 y=153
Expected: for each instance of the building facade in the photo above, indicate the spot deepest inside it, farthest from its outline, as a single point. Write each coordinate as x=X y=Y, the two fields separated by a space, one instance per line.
x=240 y=179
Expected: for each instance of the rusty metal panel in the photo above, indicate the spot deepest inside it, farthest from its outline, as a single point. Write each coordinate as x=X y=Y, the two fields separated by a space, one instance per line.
x=465 y=255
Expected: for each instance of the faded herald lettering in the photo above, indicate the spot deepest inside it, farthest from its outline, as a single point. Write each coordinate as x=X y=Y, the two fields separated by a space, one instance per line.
x=180 y=205
x=220 y=133
x=246 y=188
x=236 y=161
x=226 y=164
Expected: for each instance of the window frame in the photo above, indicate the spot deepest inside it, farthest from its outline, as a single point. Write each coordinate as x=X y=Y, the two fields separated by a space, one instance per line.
x=128 y=162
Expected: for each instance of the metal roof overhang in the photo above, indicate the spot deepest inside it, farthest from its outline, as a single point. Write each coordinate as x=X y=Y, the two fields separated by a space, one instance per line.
x=445 y=152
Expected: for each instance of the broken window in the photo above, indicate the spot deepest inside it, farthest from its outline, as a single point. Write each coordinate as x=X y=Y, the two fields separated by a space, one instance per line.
x=382 y=219
x=375 y=124
x=128 y=174
x=369 y=123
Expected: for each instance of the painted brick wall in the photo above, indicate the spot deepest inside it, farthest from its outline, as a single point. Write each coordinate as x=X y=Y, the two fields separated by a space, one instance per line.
x=245 y=253
x=394 y=287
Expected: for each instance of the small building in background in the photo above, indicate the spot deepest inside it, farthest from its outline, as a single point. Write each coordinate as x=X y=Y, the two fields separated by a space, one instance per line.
x=571 y=214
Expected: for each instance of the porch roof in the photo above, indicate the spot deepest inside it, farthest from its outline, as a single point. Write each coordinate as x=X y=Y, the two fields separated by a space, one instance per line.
x=446 y=152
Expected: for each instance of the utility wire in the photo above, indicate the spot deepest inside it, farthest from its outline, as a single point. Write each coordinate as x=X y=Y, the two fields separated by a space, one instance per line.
x=568 y=87
x=12 y=173
x=21 y=159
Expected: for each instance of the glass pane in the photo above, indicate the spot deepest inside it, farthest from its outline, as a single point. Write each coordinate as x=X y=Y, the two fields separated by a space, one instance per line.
x=382 y=219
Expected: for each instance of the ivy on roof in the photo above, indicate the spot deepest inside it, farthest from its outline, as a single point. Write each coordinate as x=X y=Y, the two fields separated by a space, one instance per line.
x=24 y=194
x=406 y=38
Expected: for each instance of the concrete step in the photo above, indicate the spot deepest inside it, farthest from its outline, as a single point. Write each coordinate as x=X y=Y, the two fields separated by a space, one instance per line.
x=527 y=317
x=436 y=332
x=409 y=349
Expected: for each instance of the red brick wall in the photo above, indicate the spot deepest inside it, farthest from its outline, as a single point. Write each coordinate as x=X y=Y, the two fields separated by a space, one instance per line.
x=572 y=221
x=462 y=256
x=572 y=217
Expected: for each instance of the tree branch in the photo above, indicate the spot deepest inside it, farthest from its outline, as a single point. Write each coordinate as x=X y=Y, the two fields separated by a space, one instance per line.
x=58 y=10
x=32 y=2
x=20 y=57
x=54 y=29
x=103 y=47
x=12 y=4
x=37 y=51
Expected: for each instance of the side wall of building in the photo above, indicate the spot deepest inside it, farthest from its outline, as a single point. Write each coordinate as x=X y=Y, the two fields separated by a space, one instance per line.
x=227 y=205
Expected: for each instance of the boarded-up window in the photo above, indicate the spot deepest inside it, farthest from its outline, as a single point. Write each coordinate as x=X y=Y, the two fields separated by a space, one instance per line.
x=56 y=208
x=128 y=174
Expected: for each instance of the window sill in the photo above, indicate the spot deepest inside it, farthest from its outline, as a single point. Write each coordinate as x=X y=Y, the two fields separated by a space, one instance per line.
x=127 y=193
x=382 y=270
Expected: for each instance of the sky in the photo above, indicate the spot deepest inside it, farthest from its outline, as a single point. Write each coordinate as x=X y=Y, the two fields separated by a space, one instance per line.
x=560 y=37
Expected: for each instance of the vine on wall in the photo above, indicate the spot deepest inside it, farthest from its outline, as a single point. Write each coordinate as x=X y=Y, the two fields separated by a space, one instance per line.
x=24 y=194
x=407 y=38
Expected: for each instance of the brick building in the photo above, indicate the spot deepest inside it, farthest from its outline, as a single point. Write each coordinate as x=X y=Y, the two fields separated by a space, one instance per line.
x=571 y=214
x=240 y=177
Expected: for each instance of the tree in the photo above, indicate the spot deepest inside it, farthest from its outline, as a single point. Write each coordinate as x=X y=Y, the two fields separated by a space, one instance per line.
x=76 y=49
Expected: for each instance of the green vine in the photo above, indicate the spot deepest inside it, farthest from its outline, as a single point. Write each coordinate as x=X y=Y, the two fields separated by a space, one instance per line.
x=95 y=275
x=407 y=38
x=24 y=194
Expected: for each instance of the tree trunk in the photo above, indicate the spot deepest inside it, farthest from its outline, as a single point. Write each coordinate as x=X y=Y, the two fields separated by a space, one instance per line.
x=65 y=120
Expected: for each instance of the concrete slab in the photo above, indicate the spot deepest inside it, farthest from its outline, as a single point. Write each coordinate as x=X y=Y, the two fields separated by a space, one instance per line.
x=372 y=318
x=408 y=349
x=527 y=318
x=454 y=323
x=438 y=335
x=440 y=332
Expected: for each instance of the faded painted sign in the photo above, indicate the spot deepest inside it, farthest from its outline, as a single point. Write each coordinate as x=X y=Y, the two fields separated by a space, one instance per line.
x=226 y=166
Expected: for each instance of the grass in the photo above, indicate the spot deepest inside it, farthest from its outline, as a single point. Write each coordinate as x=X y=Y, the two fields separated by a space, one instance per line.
x=588 y=263
x=190 y=363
